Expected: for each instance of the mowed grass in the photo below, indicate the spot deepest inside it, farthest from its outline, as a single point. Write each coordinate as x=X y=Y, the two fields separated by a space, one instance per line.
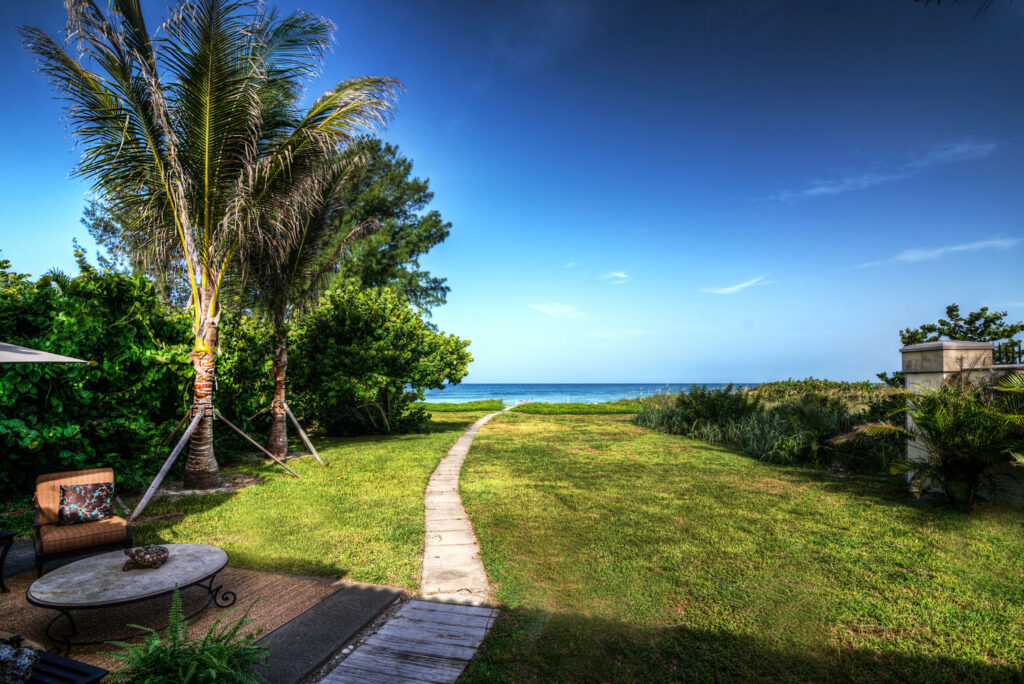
x=622 y=554
x=360 y=518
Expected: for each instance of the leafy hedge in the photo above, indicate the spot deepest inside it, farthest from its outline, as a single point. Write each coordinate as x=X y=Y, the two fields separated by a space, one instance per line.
x=359 y=361
x=113 y=411
x=357 y=357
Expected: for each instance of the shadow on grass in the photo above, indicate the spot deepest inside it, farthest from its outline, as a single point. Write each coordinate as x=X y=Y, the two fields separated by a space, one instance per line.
x=539 y=646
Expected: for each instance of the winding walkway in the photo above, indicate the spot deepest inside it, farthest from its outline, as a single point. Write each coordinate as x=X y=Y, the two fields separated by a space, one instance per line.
x=433 y=638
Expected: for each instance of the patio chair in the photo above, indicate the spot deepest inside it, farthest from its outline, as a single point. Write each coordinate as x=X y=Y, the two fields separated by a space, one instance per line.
x=53 y=541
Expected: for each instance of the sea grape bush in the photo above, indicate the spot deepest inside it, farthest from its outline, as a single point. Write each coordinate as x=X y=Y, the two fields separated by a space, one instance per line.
x=359 y=360
x=115 y=410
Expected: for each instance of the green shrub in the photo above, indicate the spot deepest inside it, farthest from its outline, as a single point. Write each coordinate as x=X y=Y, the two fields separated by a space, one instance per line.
x=579 y=409
x=360 y=359
x=451 y=407
x=114 y=411
x=786 y=422
x=719 y=405
x=223 y=655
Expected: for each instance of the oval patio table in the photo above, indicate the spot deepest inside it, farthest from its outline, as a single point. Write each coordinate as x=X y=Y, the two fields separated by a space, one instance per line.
x=99 y=582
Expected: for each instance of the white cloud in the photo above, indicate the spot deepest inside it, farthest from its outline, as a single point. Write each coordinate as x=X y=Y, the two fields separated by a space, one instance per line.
x=558 y=310
x=616 y=277
x=733 y=289
x=934 y=156
x=913 y=256
x=571 y=264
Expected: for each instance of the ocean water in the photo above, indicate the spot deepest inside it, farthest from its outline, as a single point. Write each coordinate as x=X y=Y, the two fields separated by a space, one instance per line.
x=586 y=393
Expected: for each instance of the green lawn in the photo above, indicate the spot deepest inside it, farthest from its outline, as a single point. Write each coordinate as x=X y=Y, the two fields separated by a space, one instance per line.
x=361 y=517
x=622 y=554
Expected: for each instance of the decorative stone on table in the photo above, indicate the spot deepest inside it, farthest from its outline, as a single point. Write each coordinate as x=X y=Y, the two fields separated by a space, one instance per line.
x=145 y=557
x=16 y=664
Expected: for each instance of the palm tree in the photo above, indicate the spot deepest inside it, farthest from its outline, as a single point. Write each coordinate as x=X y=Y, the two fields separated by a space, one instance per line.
x=198 y=138
x=287 y=281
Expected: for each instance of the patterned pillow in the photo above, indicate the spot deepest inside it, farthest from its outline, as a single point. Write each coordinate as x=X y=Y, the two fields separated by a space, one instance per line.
x=86 y=503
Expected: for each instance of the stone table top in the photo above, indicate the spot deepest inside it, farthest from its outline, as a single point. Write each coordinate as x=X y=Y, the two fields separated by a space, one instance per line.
x=99 y=580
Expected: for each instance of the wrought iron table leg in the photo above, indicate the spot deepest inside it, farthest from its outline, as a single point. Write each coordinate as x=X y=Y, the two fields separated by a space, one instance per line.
x=64 y=640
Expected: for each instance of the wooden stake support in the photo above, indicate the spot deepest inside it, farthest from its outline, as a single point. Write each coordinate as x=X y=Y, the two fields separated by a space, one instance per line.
x=302 y=433
x=158 y=480
x=254 y=443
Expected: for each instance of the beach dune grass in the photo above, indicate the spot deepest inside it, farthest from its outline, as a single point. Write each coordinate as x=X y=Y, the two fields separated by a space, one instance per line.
x=360 y=518
x=622 y=554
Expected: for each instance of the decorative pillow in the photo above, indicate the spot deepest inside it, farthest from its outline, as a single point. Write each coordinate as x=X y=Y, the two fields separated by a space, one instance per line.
x=16 y=663
x=86 y=503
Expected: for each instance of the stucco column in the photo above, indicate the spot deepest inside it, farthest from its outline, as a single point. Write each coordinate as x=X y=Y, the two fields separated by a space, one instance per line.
x=927 y=364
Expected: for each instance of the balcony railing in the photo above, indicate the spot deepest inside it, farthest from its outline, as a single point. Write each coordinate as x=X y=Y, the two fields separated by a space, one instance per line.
x=1008 y=354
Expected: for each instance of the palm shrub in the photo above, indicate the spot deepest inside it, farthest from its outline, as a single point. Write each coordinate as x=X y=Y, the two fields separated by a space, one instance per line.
x=965 y=427
x=224 y=654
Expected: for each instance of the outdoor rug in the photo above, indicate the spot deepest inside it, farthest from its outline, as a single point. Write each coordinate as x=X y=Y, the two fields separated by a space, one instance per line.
x=278 y=599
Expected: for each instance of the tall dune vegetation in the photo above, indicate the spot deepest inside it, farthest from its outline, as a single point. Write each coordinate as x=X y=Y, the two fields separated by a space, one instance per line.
x=197 y=136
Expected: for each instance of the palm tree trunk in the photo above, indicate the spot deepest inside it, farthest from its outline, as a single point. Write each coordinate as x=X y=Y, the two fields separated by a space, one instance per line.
x=278 y=443
x=201 y=469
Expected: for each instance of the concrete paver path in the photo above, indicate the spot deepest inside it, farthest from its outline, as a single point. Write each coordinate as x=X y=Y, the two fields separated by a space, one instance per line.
x=434 y=638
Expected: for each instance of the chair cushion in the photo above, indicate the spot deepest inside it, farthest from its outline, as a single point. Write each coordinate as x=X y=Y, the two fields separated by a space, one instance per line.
x=48 y=488
x=59 y=538
x=83 y=503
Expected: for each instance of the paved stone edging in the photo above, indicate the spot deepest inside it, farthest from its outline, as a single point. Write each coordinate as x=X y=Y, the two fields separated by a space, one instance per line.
x=452 y=568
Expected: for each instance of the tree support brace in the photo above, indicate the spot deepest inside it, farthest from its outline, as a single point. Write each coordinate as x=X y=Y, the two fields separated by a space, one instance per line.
x=302 y=433
x=231 y=425
x=158 y=480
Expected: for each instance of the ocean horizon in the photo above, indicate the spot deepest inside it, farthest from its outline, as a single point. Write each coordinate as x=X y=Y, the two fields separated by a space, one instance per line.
x=560 y=392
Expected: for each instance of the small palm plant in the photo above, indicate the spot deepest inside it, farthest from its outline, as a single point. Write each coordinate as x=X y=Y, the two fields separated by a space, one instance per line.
x=967 y=429
x=223 y=655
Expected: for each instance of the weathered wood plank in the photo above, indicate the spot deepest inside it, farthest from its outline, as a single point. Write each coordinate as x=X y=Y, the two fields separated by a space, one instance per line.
x=454 y=608
x=414 y=633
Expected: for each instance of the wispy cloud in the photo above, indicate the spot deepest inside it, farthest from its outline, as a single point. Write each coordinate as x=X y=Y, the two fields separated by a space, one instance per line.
x=616 y=277
x=913 y=256
x=558 y=310
x=733 y=289
x=571 y=264
x=932 y=157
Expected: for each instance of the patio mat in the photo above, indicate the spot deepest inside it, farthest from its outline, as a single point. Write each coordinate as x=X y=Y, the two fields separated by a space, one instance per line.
x=279 y=598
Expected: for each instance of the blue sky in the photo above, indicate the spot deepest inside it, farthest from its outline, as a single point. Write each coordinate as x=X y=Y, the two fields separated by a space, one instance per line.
x=704 y=192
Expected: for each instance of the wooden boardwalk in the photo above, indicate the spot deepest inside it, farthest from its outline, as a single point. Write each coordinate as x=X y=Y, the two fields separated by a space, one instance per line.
x=425 y=641
x=432 y=639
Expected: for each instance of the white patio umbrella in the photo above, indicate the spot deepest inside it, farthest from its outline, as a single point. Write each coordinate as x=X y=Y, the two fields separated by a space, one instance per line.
x=12 y=353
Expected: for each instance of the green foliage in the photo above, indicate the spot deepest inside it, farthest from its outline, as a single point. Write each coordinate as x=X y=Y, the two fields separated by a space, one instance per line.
x=793 y=421
x=719 y=405
x=577 y=409
x=978 y=326
x=114 y=411
x=966 y=428
x=447 y=407
x=223 y=655
x=244 y=383
x=361 y=358
x=384 y=190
